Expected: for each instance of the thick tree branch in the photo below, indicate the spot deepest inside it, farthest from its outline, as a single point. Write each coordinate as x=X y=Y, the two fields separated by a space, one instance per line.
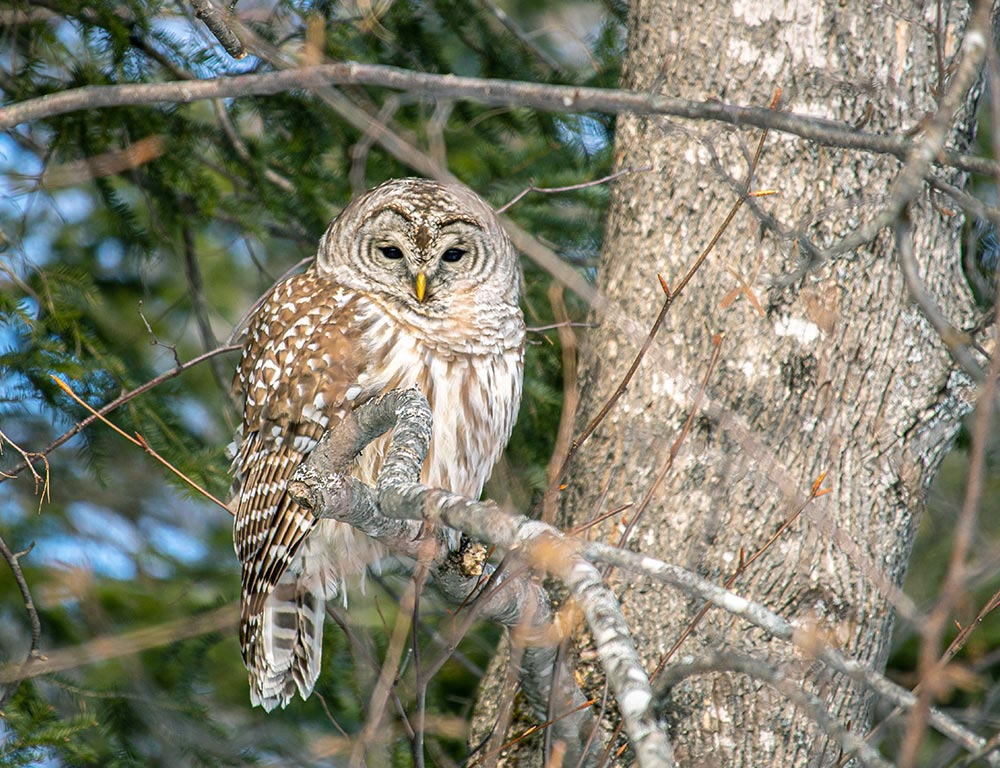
x=509 y=93
x=320 y=485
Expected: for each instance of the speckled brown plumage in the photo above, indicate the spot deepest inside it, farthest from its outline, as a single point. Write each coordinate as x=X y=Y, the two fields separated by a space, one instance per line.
x=349 y=329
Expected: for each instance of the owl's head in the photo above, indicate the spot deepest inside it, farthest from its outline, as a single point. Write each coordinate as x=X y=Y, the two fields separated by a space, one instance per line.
x=436 y=248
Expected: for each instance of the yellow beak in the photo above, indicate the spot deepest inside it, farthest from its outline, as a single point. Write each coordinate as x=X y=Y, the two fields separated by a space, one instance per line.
x=421 y=286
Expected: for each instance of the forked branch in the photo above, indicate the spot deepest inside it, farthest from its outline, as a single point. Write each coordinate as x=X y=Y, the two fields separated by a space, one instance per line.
x=398 y=510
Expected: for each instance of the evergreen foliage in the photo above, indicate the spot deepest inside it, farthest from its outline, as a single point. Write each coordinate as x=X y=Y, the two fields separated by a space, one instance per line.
x=136 y=237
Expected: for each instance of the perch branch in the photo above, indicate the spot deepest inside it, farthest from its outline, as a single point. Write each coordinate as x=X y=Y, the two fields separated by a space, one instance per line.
x=521 y=604
x=401 y=503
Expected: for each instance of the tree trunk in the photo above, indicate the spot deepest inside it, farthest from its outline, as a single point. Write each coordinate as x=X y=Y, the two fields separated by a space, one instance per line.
x=841 y=374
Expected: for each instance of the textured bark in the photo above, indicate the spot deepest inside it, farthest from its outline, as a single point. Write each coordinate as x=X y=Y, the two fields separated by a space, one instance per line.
x=842 y=375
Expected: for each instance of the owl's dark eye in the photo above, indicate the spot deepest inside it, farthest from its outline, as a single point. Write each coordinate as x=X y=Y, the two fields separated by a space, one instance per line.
x=391 y=252
x=452 y=255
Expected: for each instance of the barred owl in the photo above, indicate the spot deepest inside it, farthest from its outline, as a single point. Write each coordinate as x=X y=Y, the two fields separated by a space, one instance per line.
x=414 y=284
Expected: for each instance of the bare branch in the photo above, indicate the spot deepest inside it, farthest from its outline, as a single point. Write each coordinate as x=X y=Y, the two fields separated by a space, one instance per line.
x=34 y=654
x=930 y=665
x=763 y=618
x=572 y=187
x=808 y=703
x=570 y=396
x=521 y=604
x=126 y=643
x=199 y=303
x=510 y=93
x=924 y=153
x=140 y=442
x=957 y=342
x=670 y=297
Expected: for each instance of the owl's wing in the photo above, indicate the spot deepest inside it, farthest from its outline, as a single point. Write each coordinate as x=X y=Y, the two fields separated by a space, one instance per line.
x=298 y=373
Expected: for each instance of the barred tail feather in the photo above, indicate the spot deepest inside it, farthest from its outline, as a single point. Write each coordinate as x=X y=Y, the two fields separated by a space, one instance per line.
x=283 y=645
x=283 y=640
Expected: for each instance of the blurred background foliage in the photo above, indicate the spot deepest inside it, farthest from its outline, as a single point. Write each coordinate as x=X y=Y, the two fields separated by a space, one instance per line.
x=133 y=238
x=136 y=237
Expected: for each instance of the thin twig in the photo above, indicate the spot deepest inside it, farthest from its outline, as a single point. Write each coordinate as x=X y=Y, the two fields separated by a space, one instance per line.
x=42 y=485
x=34 y=654
x=676 y=446
x=744 y=563
x=813 y=706
x=671 y=297
x=125 y=644
x=532 y=729
x=390 y=667
x=570 y=399
x=116 y=403
x=154 y=339
x=140 y=441
x=930 y=666
x=196 y=289
x=760 y=616
x=957 y=342
x=522 y=37
x=742 y=566
x=571 y=187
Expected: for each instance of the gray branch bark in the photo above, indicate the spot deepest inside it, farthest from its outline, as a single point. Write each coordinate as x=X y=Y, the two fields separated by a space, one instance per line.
x=398 y=510
x=549 y=98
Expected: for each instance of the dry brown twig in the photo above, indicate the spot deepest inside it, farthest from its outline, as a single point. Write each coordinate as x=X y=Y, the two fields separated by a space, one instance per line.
x=43 y=489
x=140 y=441
x=931 y=666
x=31 y=457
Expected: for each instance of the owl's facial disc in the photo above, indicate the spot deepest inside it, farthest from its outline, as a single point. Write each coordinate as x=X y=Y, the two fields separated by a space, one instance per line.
x=407 y=230
x=433 y=261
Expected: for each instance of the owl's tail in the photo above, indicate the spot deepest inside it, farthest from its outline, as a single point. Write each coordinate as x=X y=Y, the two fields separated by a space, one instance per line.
x=283 y=641
x=283 y=645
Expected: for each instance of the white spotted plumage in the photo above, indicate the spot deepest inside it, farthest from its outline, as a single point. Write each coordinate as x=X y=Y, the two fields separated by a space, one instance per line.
x=350 y=328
